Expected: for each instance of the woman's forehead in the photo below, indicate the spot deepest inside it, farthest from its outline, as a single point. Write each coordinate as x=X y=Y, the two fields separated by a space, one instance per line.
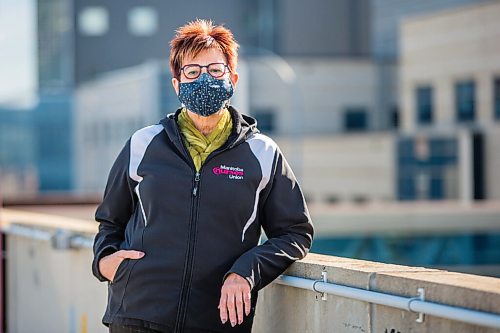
x=205 y=57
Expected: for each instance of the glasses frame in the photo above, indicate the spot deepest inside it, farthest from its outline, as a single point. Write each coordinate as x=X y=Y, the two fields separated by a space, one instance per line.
x=226 y=70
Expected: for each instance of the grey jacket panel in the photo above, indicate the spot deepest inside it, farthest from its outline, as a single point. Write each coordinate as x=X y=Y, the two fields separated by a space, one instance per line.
x=196 y=229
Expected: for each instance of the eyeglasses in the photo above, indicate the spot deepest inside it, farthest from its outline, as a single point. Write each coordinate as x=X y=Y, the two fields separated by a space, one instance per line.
x=215 y=69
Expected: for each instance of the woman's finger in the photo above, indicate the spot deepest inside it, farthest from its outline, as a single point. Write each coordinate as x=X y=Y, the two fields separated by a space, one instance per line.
x=239 y=305
x=130 y=254
x=247 y=297
x=231 y=306
x=222 y=306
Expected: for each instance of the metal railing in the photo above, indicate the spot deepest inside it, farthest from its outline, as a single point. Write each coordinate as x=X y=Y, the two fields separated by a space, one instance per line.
x=62 y=239
x=413 y=304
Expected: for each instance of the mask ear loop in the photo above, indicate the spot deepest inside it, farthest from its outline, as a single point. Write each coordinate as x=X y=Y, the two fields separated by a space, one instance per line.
x=226 y=105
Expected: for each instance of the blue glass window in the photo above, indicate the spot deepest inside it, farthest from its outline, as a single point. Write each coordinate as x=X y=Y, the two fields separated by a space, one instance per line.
x=265 y=120
x=443 y=157
x=465 y=102
x=424 y=105
x=355 y=119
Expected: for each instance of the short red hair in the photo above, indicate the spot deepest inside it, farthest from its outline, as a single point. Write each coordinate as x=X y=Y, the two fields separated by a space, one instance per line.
x=200 y=35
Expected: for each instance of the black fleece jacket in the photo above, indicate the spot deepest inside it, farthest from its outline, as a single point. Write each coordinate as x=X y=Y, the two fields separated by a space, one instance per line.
x=197 y=227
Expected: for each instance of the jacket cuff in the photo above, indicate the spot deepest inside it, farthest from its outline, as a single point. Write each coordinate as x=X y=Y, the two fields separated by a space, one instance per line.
x=248 y=279
x=107 y=250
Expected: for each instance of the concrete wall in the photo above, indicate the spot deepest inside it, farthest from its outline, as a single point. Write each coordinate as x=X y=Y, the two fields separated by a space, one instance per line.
x=287 y=309
x=53 y=291
x=50 y=290
x=343 y=167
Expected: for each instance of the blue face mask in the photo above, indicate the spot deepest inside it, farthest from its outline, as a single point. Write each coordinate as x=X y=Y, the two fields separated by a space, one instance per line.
x=206 y=95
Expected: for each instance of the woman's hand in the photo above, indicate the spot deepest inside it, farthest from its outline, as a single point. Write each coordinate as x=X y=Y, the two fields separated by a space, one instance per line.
x=235 y=294
x=109 y=264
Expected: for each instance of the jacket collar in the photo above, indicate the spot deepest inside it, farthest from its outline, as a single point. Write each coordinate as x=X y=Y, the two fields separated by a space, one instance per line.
x=244 y=126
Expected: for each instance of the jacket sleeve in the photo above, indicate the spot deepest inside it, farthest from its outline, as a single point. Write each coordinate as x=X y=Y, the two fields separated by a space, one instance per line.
x=288 y=227
x=114 y=212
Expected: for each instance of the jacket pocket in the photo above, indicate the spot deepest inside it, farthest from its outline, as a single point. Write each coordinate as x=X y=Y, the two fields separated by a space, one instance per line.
x=116 y=289
x=120 y=270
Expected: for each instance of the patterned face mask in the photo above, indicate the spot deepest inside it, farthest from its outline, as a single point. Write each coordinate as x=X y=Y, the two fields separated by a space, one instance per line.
x=206 y=95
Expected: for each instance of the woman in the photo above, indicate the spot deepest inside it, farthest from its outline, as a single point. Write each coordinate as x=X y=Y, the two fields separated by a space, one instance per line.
x=181 y=217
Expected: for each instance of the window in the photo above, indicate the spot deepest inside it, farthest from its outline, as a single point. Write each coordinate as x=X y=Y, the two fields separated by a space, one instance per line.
x=496 y=98
x=93 y=21
x=427 y=168
x=265 y=120
x=394 y=113
x=355 y=119
x=142 y=21
x=465 y=105
x=424 y=105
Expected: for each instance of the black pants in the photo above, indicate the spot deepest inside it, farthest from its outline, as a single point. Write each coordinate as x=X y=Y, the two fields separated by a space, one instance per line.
x=120 y=328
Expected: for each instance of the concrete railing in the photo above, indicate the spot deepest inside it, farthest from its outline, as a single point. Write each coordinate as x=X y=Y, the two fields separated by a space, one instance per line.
x=283 y=308
x=50 y=287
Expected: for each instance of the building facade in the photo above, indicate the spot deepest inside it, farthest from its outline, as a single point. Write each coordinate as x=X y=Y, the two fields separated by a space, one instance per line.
x=450 y=85
x=36 y=148
x=315 y=69
x=80 y=39
x=18 y=172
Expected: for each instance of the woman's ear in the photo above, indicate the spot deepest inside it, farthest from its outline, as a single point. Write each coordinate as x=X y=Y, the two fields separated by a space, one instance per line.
x=175 y=83
x=234 y=78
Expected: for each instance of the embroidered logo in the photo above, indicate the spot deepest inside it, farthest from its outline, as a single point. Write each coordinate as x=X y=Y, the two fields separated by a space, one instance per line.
x=231 y=172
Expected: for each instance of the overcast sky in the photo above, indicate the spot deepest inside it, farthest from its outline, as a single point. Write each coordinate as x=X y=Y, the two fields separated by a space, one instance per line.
x=17 y=50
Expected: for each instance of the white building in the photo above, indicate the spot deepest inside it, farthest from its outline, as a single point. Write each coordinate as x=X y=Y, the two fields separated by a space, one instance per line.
x=107 y=112
x=450 y=86
x=316 y=96
x=334 y=97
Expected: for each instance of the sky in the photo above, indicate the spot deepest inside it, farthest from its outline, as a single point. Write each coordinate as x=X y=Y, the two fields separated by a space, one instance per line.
x=17 y=51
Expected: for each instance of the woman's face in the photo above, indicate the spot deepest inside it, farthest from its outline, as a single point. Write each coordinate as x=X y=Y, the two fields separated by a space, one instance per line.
x=204 y=58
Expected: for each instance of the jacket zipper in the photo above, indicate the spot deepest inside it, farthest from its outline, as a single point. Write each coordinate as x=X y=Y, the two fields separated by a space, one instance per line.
x=181 y=310
x=188 y=265
x=196 y=181
x=181 y=313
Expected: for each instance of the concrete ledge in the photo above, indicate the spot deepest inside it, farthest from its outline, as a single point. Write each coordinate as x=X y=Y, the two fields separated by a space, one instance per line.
x=33 y=264
x=47 y=220
x=416 y=218
x=288 y=309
